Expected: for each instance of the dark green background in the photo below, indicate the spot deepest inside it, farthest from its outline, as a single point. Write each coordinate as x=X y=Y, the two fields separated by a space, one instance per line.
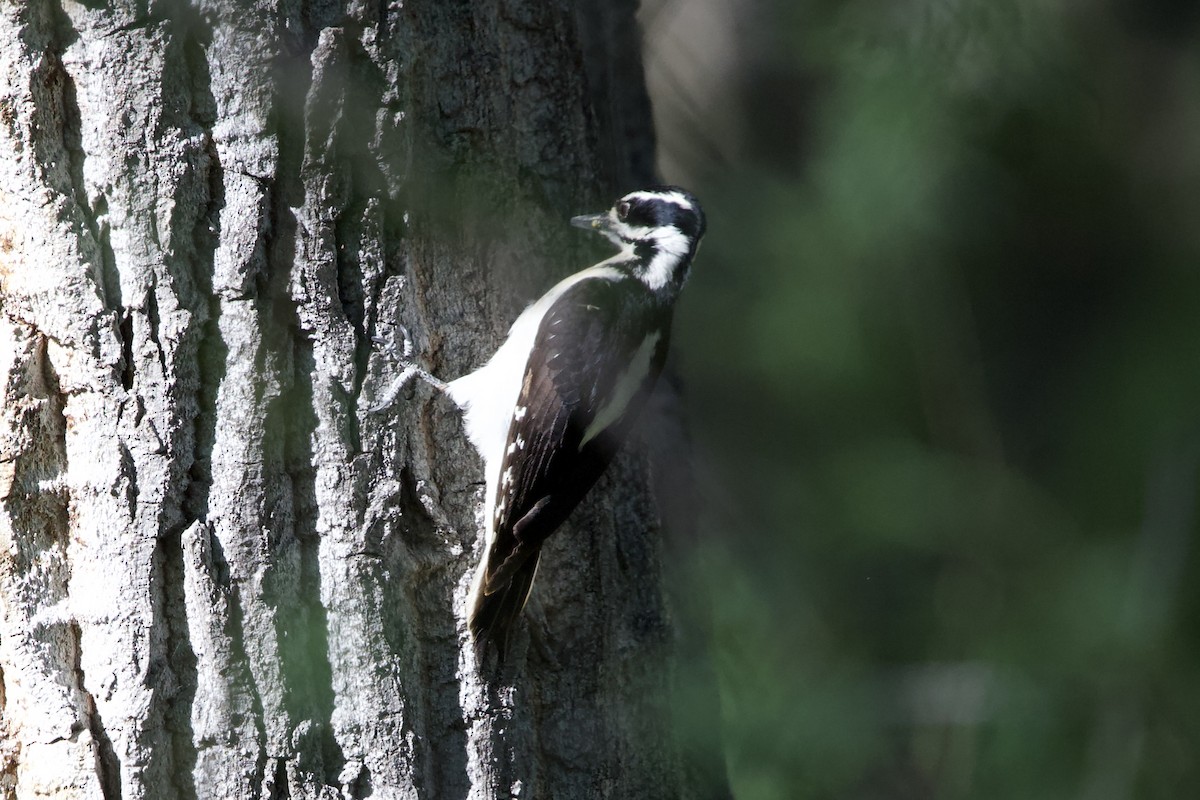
x=942 y=354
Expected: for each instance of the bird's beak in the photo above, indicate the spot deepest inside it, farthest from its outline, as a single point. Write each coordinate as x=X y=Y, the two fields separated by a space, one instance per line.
x=592 y=222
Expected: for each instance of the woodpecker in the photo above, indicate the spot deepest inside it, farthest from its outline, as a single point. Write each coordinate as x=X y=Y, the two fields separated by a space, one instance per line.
x=550 y=409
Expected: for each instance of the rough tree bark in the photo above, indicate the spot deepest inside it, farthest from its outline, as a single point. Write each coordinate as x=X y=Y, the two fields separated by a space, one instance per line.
x=221 y=576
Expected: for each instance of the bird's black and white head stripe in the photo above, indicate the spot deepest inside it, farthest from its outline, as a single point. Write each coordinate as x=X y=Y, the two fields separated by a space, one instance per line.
x=660 y=228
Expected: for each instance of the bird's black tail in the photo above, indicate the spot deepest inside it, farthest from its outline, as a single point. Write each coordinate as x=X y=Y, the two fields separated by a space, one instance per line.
x=494 y=615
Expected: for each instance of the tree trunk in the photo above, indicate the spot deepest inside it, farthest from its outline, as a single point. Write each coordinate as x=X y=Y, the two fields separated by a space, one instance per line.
x=223 y=575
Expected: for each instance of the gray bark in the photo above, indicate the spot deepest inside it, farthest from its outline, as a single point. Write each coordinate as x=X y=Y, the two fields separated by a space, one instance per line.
x=221 y=575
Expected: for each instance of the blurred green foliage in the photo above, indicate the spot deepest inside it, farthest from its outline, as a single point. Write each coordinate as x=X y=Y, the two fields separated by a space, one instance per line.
x=942 y=350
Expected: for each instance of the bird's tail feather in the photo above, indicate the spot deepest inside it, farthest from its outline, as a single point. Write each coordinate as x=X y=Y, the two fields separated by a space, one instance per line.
x=494 y=615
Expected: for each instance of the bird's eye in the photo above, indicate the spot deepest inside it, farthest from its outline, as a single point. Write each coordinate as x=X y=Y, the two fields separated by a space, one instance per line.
x=622 y=210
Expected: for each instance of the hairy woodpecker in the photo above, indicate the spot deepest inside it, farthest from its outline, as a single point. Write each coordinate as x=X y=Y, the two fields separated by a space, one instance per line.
x=550 y=409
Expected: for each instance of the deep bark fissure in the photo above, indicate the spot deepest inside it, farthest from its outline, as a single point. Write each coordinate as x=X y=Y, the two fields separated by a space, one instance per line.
x=108 y=767
x=304 y=646
x=429 y=636
x=347 y=230
x=127 y=469
x=305 y=665
x=190 y=263
x=239 y=656
x=174 y=703
x=279 y=787
x=300 y=615
x=125 y=333
x=354 y=289
x=195 y=270
x=110 y=277
x=154 y=321
x=347 y=240
x=211 y=353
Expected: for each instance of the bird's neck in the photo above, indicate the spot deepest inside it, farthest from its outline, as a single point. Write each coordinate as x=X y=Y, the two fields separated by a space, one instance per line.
x=663 y=263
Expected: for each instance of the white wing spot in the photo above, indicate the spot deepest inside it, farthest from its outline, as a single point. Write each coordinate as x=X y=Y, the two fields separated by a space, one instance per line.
x=520 y=412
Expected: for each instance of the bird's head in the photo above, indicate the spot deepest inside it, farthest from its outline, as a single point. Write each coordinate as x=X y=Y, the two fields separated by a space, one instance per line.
x=660 y=228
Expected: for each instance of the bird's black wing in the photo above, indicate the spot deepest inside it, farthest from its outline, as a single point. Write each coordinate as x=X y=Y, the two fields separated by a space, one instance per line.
x=597 y=353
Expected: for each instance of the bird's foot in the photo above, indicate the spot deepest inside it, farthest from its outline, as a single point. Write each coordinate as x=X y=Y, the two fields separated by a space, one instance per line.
x=409 y=369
